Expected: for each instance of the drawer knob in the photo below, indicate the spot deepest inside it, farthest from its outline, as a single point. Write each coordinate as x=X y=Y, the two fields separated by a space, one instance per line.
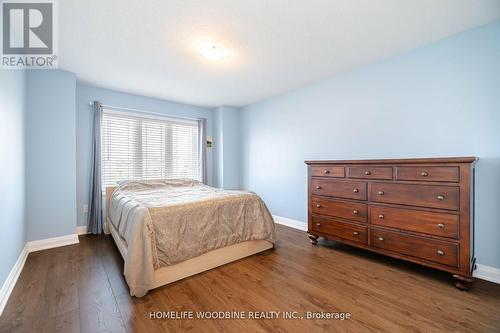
x=318 y=187
x=381 y=216
x=318 y=205
x=440 y=225
x=326 y=171
x=381 y=192
x=368 y=172
x=441 y=253
x=440 y=197
x=355 y=212
x=355 y=233
x=355 y=190
x=381 y=238
x=318 y=224
x=424 y=174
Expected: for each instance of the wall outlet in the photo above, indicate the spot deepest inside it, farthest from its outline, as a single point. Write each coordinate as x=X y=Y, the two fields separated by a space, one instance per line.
x=85 y=208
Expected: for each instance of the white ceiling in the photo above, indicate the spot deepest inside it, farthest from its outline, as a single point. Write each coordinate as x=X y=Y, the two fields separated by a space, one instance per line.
x=149 y=47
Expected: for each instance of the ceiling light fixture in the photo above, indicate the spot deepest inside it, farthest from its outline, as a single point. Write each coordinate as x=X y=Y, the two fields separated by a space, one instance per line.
x=213 y=51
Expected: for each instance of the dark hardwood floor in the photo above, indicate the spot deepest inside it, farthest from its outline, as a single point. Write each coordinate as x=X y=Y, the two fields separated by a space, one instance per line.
x=80 y=288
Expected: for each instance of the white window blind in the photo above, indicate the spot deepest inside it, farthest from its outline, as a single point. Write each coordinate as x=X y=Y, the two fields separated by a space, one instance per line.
x=137 y=147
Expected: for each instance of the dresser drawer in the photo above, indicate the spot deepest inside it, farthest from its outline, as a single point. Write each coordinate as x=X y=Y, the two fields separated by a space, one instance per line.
x=343 y=209
x=369 y=172
x=429 y=249
x=339 y=188
x=327 y=171
x=438 y=224
x=431 y=174
x=445 y=197
x=350 y=231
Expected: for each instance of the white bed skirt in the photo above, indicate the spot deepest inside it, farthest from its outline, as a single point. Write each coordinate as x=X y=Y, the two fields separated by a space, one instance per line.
x=204 y=262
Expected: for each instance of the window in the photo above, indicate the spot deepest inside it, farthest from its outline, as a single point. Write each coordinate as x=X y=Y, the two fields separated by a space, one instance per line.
x=137 y=147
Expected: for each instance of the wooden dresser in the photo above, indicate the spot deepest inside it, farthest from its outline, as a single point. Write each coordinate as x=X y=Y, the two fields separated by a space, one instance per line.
x=420 y=210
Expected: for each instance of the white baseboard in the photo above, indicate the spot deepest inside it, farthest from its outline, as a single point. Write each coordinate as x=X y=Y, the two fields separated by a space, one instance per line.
x=32 y=246
x=81 y=230
x=290 y=222
x=49 y=243
x=11 y=280
x=487 y=273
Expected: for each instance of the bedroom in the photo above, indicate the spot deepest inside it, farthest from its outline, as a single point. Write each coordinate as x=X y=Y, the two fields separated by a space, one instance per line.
x=250 y=166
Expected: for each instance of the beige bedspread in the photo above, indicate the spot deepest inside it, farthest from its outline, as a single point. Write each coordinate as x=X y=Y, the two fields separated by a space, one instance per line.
x=165 y=222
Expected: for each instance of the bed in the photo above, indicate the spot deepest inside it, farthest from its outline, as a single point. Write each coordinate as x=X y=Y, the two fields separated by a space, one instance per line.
x=167 y=230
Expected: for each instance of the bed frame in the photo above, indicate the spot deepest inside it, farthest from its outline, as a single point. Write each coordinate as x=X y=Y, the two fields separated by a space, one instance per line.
x=204 y=262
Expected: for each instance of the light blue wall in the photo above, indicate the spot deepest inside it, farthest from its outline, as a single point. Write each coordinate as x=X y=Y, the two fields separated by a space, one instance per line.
x=50 y=154
x=231 y=148
x=86 y=94
x=12 y=161
x=227 y=160
x=218 y=144
x=439 y=100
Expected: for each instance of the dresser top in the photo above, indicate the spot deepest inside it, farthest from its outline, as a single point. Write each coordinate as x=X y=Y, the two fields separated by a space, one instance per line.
x=399 y=161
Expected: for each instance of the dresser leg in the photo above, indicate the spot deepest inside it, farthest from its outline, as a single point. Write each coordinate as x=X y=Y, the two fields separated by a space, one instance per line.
x=313 y=238
x=462 y=282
